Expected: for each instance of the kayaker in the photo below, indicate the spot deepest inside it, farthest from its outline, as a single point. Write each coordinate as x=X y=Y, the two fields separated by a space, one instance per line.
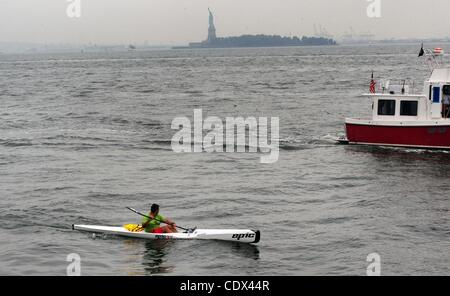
x=153 y=225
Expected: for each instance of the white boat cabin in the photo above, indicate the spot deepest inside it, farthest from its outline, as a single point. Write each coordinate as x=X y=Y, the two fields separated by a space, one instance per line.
x=393 y=103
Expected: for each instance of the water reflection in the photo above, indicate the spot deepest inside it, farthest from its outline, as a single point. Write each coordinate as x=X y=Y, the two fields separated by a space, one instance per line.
x=246 y=250
x=153 y=256
x=157 y=252
x=145 y=257
x=153 y=259
x=242 y=250
x=431 y=163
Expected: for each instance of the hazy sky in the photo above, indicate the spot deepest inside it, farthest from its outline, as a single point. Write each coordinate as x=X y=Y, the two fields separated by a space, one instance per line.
x=168 y=22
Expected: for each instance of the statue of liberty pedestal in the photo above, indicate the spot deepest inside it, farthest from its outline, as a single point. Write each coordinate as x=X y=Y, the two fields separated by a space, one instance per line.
x=212 y=28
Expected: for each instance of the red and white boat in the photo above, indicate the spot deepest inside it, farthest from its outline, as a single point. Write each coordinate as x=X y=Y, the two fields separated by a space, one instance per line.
x=403 y=119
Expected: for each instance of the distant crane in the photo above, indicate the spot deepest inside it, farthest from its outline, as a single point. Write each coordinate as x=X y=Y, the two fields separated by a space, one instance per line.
x=320 y=31
x=353 y=37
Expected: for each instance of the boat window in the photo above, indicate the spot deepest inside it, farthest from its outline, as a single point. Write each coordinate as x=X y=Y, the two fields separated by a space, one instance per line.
x=408 y=108
x=386 y=107
x=446 y=90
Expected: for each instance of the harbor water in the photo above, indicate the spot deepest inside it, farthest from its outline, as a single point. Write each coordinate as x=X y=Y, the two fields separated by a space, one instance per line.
x=82 y=136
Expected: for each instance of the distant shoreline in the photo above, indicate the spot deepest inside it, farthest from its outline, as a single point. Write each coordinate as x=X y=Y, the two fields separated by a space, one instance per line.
x=251 y=41
x=21 y=48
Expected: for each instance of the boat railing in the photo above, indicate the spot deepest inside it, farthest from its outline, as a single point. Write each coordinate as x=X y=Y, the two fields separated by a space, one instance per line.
x=395 y=86
x=434 y=58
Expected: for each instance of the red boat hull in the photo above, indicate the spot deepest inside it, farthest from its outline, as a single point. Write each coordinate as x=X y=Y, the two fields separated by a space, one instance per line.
x=414 y=136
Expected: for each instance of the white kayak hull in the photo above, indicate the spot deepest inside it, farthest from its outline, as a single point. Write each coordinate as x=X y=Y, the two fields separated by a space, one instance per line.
x=234 y=235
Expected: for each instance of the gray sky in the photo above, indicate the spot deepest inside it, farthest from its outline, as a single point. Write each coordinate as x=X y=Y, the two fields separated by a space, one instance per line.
x=171 y=22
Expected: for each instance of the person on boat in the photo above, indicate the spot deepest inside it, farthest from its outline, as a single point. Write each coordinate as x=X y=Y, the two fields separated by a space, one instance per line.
x=153 y=225
x=446 y=105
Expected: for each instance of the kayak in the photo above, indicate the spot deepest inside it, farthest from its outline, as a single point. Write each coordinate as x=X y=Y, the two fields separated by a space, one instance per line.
x=234 y=235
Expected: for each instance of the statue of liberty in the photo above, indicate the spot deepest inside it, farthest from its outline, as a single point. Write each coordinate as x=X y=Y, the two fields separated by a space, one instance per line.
x=212 y=28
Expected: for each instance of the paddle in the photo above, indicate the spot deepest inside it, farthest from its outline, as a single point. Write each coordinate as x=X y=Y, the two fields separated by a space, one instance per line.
x=139 y=213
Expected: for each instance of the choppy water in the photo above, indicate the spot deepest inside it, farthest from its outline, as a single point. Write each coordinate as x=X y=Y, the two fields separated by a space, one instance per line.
x=84 y=135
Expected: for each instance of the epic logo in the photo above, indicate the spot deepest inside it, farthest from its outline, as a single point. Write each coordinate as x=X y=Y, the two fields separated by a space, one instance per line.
x=243 y=235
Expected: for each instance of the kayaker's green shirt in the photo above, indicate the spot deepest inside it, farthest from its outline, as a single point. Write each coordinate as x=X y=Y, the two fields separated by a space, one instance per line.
x=153 y=224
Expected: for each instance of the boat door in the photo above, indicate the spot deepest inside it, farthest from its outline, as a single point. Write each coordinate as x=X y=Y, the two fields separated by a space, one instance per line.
x=436 y=107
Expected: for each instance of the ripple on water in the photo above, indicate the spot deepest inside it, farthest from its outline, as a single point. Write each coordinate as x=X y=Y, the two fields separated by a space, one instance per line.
x=78 y=148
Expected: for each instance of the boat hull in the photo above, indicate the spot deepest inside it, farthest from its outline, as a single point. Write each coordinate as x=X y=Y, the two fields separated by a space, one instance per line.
x=427 y=136
x=235 y=235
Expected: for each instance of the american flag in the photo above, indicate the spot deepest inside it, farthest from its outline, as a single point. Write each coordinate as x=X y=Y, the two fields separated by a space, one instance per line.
x=373 y=83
